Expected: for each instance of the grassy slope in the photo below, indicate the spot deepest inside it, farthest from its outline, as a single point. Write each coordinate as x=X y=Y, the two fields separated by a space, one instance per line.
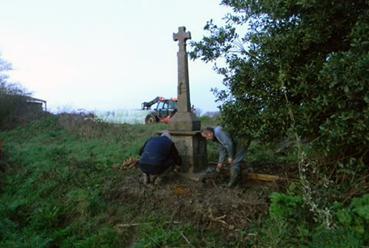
x=54 y=191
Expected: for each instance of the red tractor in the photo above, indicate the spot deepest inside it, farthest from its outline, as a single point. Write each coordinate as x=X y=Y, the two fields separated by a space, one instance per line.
x=162 y=112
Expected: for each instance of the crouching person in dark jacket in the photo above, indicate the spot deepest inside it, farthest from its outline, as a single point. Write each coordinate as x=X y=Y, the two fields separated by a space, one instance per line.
x=159 y=156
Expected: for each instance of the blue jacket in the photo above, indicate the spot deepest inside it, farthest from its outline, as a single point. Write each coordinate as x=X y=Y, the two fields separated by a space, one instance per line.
x=157 y=154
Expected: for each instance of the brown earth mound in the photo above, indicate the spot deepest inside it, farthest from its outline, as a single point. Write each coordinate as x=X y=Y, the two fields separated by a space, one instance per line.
x=209 y=205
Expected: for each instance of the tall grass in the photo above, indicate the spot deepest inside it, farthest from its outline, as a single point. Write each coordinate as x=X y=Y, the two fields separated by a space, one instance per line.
x=57 y=189
x=58 y=171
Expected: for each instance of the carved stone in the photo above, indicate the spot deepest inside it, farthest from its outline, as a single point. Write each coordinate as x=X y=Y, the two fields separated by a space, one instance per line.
x=185 y=126
x=184 y=119
x=192 y=148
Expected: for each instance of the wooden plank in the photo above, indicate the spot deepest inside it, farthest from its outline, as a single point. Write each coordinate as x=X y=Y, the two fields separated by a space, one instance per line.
x=263 y=177
x=252 y=175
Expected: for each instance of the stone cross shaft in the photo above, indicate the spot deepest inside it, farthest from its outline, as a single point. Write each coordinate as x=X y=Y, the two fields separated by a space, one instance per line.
x=184 y=125
x=184 y=104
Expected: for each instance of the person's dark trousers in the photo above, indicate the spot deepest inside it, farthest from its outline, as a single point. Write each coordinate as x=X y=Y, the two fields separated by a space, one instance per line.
x=156 y=169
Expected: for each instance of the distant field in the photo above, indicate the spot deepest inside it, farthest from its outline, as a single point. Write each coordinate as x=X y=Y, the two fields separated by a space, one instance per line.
x=129 y=116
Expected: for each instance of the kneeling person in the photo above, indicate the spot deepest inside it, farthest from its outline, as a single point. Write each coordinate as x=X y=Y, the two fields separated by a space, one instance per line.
x=159 y=155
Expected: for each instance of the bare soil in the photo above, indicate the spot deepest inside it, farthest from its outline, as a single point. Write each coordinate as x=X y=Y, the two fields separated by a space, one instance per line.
x=209 y=205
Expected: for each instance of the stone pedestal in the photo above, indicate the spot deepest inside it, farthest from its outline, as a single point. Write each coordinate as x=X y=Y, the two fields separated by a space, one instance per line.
x=184 y=121
x=192 y=149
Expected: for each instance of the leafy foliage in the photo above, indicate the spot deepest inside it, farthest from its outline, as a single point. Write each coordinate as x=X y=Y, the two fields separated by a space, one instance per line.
x=299 y=69
x=313 y=52
x=356 y=216
x=289 y=226
x=284 y=206
x=352 y=229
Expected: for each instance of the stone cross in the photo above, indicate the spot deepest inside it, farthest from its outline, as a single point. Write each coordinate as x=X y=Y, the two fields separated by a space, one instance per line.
x=184 y=104
x=184 y=119
x=185 y=126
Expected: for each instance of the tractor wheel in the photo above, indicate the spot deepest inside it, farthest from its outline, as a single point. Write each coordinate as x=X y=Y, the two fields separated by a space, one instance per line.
x=150 y=119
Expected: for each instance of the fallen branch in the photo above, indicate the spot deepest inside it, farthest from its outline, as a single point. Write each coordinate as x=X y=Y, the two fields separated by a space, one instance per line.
x=186 y=239
x=219 y=219
x=255 y=176
x=144 y=223
x=263 y=177
x=130 y=163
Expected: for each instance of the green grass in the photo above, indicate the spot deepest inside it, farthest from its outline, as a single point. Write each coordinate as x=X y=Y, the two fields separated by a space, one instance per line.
x=58 y=183
x=55 y=189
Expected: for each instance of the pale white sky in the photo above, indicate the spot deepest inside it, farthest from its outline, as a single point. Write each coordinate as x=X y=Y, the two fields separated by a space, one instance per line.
x=105 y=54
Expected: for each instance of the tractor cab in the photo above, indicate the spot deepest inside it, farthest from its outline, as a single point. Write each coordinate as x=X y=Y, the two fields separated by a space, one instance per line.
x=162 y=112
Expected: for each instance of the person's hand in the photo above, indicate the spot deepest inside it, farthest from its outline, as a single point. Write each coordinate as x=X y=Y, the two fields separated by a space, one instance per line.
x=230 y=160
x=219 y=167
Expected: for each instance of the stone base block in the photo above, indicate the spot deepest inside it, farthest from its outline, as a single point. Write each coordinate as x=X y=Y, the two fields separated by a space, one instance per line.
x=192 y=149
x=184 y=121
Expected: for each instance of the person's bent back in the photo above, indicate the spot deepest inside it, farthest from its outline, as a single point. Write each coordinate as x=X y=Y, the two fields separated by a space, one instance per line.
x=158 y=155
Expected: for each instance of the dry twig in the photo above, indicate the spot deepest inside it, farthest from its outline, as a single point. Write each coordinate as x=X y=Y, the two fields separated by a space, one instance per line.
x=126 y=225
x=130 y=163
x=219 y=219
x=186 y=239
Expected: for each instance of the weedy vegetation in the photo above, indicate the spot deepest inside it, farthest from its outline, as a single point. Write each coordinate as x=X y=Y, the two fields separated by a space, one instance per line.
x=296 y=95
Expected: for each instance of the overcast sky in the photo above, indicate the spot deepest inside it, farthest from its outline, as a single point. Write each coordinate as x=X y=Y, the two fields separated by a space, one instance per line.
x=105 y=54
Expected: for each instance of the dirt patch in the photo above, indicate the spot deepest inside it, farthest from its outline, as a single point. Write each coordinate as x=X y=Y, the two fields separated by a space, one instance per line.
x=204 y=205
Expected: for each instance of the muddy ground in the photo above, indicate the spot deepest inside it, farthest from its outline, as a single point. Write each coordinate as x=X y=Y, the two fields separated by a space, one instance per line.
x=209 y=205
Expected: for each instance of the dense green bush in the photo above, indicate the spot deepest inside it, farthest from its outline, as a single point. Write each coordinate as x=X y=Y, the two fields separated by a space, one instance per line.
x=284 y=206
x=356 y=217
x=289 y=226
x=306 y=58
x=298 y=70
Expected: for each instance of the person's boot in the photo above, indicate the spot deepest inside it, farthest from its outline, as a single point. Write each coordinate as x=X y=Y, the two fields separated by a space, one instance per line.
x=234 y=178
x=210 y=172
x=163 y=177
